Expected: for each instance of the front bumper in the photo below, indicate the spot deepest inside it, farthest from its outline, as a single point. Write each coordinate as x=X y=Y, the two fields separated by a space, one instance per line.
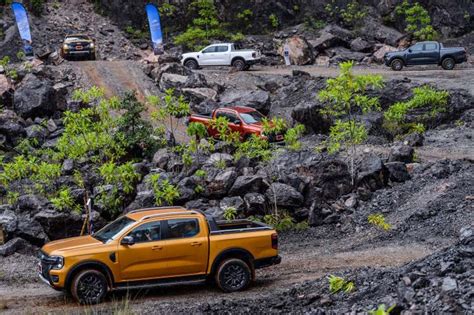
x=267 y=262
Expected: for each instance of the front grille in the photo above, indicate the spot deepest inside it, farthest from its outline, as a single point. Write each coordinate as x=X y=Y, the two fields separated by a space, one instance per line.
x=45 y=264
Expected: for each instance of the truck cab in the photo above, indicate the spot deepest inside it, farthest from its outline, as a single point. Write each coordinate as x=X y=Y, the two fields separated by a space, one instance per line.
x=158 y=246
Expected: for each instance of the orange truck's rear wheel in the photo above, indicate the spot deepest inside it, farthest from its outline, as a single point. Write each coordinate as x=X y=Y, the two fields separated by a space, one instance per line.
x=233 y=275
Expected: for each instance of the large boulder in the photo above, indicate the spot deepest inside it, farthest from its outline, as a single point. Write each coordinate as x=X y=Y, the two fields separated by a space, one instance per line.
x=374 y=30
x=219 y=185
x=255 y=204
x=16 y=245
x=246 y=184
x=199 y=95
x=361 y=45
x=236 y=203
x=401 y=153
x=331 y=36
x=34 y=97
x=398 y=171
x=12 y=128
x=58 y=225
x=341 y=54
x=300 y=51
x=258 y=99
x=372 y=173
x=284 y=196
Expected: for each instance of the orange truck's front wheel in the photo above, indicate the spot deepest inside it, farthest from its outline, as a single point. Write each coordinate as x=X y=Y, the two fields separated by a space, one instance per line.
x=89 y=286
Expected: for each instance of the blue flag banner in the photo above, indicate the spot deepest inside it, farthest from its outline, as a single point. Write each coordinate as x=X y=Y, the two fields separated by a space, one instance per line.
x=23 y=26
x=155 y=28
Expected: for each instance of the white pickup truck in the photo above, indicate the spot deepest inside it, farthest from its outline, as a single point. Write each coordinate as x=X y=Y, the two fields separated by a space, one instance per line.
x=221 y=55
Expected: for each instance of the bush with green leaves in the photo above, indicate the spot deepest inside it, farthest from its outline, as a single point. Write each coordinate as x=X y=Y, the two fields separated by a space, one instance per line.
x=417 y=19
x=281 y=222
x=351 y=14
x=91 y=136
x=382 y=310
x=37 y=7
x=10 y=72
x=65 y=201
x=205 y=26
x=346 y=97
x=273 y=21
x=338 y=284
x=378 y=220
x=230 y=213
x=434 y=100
x=163 y=190
x=244 y=19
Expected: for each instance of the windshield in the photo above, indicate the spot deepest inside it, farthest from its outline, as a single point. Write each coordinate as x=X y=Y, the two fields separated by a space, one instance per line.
x=112 y=230
x=76 y=38
x=252 y=117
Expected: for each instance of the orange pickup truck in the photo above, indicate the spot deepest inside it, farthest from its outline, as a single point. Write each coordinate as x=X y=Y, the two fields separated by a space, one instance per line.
x=159 y=246
x=244 y=120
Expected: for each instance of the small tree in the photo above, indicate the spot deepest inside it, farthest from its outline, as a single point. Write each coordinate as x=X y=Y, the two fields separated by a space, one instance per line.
x=346 y=97
x=169 y=110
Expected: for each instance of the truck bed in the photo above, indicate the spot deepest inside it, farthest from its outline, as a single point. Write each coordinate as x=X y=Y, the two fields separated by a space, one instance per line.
x=235 y=226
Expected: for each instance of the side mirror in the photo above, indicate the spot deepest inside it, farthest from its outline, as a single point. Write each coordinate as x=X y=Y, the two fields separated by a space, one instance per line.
x=127 y=241
x=409 y=50
x=237 y=122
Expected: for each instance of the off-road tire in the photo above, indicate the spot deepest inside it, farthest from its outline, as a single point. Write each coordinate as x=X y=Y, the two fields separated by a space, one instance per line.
x=89 y=287
x=396 y=65
x=448 y=63
x=92 y=56
x=239 y=64
x=233 y=275
x=191 y=64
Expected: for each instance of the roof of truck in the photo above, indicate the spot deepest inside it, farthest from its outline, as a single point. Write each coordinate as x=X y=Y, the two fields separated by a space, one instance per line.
x=139 y=214
x=240 y=109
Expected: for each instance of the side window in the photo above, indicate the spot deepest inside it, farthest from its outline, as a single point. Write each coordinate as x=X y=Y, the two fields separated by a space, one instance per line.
x=232 y=117
x=148 y=232
x=210 y=50
x=182 y=228
x=430 y=47
x=222 y=48
x=222 y=114
x=417 y=47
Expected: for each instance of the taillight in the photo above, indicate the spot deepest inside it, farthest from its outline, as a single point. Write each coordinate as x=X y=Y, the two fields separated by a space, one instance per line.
x=275 y=241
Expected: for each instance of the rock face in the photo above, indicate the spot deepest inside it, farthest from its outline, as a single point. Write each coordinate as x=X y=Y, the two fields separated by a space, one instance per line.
x=284 y=195
x=34 y=97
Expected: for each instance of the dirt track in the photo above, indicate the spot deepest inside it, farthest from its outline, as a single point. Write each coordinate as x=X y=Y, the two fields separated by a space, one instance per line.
x=302 y=260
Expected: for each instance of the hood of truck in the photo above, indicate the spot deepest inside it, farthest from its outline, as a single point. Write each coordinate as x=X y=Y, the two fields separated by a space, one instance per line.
x=70 y=244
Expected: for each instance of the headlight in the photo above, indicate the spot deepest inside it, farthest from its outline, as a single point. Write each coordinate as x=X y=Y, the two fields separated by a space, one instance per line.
x=65 y=47
x=92 y=45
x=57 y=262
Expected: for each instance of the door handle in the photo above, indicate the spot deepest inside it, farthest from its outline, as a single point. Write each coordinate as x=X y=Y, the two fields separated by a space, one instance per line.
x=157 y=247
x=196 y=244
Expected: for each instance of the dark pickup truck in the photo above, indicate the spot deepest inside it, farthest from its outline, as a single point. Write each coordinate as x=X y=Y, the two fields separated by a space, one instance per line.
x=426 y=53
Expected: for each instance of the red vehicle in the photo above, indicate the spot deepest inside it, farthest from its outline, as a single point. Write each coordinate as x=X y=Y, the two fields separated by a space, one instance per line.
x=245 y=120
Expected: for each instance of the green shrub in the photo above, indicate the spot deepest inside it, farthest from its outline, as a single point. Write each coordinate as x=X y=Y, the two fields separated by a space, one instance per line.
x=274 y=21
x=37 y=7
x=205 y=26
x=338 y=284
x=382 y=310
x=65 y=201
x=378 y=220
x=230 y=213
x=423 y=97
x=418 y=20
x=352 y=14
x=163 y=190
x=292 y=136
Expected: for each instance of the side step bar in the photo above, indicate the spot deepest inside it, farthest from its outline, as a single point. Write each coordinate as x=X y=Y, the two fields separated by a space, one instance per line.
x=158 y=283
